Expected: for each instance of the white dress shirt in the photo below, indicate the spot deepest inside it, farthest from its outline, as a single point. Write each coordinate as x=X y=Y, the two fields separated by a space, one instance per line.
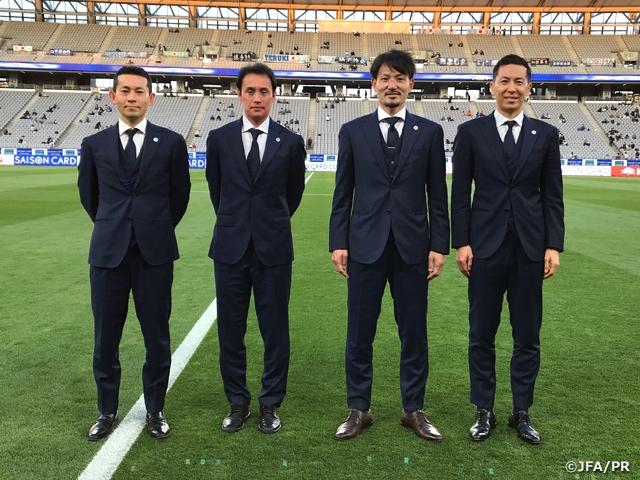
x=503 y=129
x=247 y=138
x=138 y=138
x=384 y=126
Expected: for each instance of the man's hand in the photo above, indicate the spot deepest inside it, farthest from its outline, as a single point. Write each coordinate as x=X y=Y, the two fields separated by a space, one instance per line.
x=339 y=259
x=551 y=262
x=464 y=258
x=436 y=262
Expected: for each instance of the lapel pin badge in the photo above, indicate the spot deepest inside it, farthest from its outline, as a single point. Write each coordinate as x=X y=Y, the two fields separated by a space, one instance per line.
x=415 y=127
x=278 y=139
x=155 y=139
x=533 y=132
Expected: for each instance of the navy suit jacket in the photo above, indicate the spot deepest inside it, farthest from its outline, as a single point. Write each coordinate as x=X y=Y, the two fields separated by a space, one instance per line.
x=261 y=211
x=534 y=194
x=154 y=204
x=368 y=203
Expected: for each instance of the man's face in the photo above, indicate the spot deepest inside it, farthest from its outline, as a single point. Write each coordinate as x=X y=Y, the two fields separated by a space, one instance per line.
x=510 y=88
x=257 y=96
x=132 y=97
x=392 y=88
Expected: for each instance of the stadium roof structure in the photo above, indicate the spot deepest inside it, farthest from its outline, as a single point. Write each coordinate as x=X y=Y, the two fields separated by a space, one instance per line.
x=581 y=6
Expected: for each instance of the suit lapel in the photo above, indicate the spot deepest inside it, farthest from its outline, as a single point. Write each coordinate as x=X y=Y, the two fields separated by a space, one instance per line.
x=111 y=149
x=371 y=131
x=152 y=139
x=410 y=133
x=492 y=138
x=237 y=148
x=274 y=140
x=529 y=138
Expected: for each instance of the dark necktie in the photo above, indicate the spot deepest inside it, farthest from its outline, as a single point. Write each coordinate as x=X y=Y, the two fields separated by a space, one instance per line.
x=392 y=134
x=253 y=159
x=130 y=149
x=509 y=143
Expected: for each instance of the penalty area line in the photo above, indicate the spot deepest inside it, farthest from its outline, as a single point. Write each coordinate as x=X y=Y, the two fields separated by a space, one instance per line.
x=106 y=461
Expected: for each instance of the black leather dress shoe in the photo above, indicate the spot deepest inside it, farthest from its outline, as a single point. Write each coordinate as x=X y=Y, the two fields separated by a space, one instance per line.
x=157 y=425
x=356 y=421
x=269 y=419
x=102 y=427
x=235 y=420
x=521 y=422
x=485 y=422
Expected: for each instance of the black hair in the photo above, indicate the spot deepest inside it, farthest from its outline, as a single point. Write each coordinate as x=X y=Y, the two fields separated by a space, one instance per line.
x=397 y=60
x=132 y=70
x=256 y=69
x=512 y=59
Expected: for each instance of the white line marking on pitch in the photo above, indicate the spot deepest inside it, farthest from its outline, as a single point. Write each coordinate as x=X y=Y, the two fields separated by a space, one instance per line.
x=109 y=457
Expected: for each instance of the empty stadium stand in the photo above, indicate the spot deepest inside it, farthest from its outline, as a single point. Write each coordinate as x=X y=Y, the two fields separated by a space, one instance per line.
x=13 y=102
x=326 y=131
x=80 y=38
x=36 y=35
x=587 y=143
x=36 y=130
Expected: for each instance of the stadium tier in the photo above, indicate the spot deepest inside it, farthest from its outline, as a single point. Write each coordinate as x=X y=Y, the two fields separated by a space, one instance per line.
x=63 y=119
x=188 y=47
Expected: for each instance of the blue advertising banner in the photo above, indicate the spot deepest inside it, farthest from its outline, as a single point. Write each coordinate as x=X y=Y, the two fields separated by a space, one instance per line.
x=316 y=157
x=197 y=160
x=574 y=161
x=45 y=160
x=604 y=162
x=633 y=163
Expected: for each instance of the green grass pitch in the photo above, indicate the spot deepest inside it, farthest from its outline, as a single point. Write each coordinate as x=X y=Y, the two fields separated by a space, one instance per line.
x=587 y=395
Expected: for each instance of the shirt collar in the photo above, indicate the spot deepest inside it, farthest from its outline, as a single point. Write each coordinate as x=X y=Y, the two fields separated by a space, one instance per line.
x=142 y=126
x=500 y=119
x=247 y=125
x=382 y=114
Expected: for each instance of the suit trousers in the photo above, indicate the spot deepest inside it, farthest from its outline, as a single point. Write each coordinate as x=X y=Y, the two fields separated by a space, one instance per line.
x=271 y=289
x=509 y=270
x=151 y=287
x=409 y=288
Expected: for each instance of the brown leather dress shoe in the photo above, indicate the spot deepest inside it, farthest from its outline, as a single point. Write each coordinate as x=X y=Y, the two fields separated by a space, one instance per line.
x=418 y=422
x=353 y=424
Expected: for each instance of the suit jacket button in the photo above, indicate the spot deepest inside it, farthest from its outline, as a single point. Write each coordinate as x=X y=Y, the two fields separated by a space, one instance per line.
x=128 y=219
x=506 y=210
x=388 y=212
x=134 y=194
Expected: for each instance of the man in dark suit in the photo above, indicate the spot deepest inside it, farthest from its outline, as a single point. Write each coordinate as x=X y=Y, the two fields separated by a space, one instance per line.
x=382 y=229
x=508 y=239
x=134 y=184
x=255 y=169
